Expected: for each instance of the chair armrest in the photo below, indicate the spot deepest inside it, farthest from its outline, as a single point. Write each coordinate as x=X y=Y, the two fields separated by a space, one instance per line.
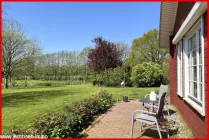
x=150 y=105
x=142 y=111
x=146 y=95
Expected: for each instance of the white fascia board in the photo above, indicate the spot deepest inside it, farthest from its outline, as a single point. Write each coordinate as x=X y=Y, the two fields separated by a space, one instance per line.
x=195 y=13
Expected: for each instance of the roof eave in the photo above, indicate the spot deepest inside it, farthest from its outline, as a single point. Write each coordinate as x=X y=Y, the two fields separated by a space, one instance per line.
x=168 y=12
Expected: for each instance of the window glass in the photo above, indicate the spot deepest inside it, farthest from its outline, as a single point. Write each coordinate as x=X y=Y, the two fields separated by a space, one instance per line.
x=200 y=73
x=195 y=89
x=189 y=42
x=191 y=88
x=200 y=55
x=199 y=37
x=200 y=86
x=193 y=76
x=195 y=73
x=194 y=42
x=194 y=57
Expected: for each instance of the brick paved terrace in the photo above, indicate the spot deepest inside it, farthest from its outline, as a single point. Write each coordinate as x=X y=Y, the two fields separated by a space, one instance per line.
x=116 y=123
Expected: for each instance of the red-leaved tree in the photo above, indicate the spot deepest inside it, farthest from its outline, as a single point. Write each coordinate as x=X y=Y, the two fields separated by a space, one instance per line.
x=105 y=55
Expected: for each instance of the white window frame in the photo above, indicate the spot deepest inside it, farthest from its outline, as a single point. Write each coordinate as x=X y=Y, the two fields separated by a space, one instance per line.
x=179 y=68
x=195 y=102
x=198 y=9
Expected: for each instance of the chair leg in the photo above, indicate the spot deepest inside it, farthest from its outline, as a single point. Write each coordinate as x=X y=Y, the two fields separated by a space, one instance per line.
x=167 y=109
x=132 y=128
x=167 y=106
x=166 y=128
x=158 y=130
x=141 y=124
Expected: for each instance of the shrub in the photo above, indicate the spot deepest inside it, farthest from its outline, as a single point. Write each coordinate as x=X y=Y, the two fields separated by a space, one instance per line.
x=97 y=79
x=105 y=100
x=147 y=74
x=15 y=131
x=92 y=78
x=117 y=76
x=77 y=117
x=112 y=77
x=55 y=125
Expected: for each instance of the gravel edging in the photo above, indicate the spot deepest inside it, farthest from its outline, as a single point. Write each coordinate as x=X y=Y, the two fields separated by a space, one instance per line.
x=178 y=126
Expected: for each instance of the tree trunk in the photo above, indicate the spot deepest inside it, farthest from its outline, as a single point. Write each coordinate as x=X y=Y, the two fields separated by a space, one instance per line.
x=7 y=82
x=26 y=81
x=66 y=78
x=10 y=78
x=124 y=78
x=55 y=74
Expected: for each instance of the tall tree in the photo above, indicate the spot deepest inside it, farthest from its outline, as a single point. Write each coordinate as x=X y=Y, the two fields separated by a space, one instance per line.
x=105 y=55
x=84 y=55
x=147 y=49
x=84 y=60
x=32 y=58
x=16 y=47
x=124 y=49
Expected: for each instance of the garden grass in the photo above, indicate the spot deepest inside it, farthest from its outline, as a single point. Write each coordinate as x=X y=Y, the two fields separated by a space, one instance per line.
x=22 y=105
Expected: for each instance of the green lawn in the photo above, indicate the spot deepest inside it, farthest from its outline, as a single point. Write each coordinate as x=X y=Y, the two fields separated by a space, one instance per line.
x=21 y=106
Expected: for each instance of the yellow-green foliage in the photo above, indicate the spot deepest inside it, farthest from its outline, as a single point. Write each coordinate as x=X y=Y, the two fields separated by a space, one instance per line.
x=147 y=74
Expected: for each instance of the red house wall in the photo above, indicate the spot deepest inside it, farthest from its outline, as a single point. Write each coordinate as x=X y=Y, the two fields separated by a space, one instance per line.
x=194 y=119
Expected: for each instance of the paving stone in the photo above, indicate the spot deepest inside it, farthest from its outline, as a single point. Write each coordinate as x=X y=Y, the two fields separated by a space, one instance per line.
x=116 y=123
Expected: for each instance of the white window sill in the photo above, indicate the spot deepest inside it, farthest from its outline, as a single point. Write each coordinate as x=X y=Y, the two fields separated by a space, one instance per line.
x=194 y=105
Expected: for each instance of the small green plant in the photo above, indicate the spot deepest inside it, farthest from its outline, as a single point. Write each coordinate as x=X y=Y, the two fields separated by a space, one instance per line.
x=125 y=98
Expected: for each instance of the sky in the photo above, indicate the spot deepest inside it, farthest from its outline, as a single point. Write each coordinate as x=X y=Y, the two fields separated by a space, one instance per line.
x=71 y=26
